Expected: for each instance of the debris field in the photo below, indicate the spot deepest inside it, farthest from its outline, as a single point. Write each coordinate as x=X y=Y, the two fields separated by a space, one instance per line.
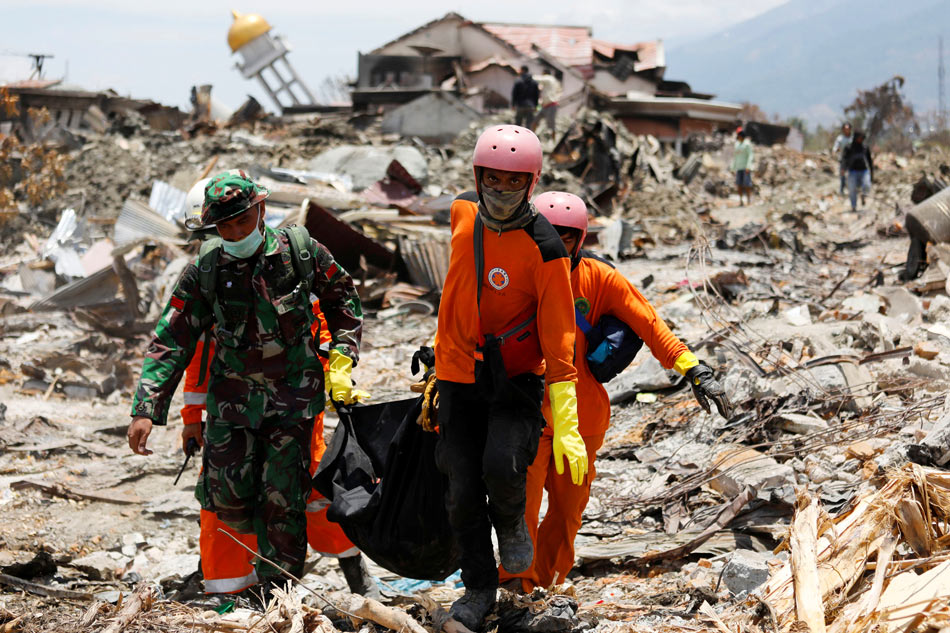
x=823 y=505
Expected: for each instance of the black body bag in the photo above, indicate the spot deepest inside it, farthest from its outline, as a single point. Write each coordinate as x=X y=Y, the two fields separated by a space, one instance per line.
x=385 y=491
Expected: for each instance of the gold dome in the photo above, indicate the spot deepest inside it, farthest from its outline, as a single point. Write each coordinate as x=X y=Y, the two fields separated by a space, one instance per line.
x=246 y=27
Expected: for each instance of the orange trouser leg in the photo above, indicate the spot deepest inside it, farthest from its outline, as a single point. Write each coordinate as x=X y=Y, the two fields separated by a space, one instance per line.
x=554 y=549
x=226 y=566
x=325 y=537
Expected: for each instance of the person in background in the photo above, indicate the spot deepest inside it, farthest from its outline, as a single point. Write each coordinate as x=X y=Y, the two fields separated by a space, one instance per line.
x=837 y=150
x=857 y=160
x=742 y=165
x=524 y=98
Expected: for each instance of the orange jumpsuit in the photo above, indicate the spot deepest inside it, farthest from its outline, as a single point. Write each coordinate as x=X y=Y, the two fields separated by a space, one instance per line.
x=525 y=275
x=598 y=289
x=226 y=566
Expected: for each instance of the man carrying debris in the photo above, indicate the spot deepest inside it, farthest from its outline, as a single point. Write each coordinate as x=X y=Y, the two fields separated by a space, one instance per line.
x=226 y=567
x=599 y=291
x=505 y=324
x=742 y=165
x=524 y=98
x=837 y=150
x=266 y=382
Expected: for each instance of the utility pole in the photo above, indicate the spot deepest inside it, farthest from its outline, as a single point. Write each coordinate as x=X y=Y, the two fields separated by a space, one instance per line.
x=941 y=94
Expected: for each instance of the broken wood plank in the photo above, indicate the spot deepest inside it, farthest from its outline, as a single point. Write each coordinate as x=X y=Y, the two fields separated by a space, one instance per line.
x=43 y=590
x=140 y=601
x=59 y=490
x=804 y=558
x=725 y=517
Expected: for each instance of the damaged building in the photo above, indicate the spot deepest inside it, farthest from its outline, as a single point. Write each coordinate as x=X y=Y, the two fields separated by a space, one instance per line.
x=472 y=66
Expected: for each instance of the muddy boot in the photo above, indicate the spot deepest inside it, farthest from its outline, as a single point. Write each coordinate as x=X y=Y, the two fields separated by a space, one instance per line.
x=358 y=578
x=515 y=548
x=471 y=609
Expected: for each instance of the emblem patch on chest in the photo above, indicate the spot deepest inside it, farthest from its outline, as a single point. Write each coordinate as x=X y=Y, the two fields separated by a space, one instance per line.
x=582 y=305
x=498 y=278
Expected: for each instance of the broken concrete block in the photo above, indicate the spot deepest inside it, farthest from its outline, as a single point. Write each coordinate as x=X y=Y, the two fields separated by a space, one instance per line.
x=862 y=303
x=939 y=310
x=739 y=467
x=926 y=350
x=938 y=439
x=102 y=565
x=866 y=449
x=173 y=568
x=176 y=502
x=901 y=304
x=745 y=572
x=798 y=316
x=801 y=424
x=927 y=369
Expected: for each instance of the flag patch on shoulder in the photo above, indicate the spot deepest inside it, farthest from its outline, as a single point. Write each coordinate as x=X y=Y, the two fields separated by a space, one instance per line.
x=178 y=303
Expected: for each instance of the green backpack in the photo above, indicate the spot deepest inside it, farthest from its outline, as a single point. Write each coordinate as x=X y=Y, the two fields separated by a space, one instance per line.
x=299 y=240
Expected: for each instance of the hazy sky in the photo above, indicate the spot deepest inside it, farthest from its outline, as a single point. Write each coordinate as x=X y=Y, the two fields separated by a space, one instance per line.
x=158 y=50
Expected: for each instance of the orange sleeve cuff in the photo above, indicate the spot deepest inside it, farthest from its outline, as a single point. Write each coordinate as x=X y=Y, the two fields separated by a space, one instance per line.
x=191 y=413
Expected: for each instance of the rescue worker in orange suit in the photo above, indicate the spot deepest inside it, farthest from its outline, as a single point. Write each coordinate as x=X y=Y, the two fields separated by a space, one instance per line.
x=598 y=289
x=227 y=567
x=506 y=319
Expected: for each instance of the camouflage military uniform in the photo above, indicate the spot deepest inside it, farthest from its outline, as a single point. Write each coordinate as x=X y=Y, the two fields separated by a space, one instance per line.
x=264 y=389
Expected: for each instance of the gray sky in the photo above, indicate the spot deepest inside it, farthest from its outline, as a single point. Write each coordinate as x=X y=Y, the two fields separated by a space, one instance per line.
x=158 y=50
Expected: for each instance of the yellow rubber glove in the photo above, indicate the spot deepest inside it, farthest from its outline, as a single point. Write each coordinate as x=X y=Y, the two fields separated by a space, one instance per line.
x=567 y=441
x=685 y=361
x=339 y=383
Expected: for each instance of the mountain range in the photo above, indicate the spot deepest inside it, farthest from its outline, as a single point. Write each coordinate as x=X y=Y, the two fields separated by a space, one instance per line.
x=808 y=58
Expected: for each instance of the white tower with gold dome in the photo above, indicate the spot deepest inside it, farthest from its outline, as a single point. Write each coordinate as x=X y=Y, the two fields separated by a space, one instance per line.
x=250 y=38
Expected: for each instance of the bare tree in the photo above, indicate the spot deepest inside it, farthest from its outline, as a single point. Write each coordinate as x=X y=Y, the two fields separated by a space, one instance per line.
x=885 y=115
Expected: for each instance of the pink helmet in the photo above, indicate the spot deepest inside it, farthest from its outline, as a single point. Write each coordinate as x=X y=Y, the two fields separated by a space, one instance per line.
x=564 y=209
x=509 y=148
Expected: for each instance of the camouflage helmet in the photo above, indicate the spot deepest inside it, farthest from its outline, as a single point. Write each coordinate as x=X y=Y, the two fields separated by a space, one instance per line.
x=227 y=195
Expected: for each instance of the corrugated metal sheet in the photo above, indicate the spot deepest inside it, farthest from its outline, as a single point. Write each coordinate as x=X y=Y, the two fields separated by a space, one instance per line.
x=97 y=288
x=167 y=200
x=138 y=221
x=427 y=260
x=571 y=45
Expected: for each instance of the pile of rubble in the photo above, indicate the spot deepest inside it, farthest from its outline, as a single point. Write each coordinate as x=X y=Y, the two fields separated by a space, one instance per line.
x=822 y=504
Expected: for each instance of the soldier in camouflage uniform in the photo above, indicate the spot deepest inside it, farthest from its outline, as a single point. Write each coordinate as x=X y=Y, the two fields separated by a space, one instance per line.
x=266 y=381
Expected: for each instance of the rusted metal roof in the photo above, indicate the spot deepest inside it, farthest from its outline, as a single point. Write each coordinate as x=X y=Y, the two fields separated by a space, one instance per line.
x=571 y=45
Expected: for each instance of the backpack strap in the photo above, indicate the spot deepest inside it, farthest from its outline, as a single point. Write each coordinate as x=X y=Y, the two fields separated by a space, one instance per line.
x=582 y=321
x=207 y=286
x=479 y=262
x=299 y=240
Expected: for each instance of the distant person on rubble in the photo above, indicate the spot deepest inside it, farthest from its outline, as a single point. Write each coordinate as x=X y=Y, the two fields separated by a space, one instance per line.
x=857 y=160
x=251 y=290
x=550 y=94
x=837 y=150
x=524 y=98
x=226 y=567
x=602 y=297
x=742 y=165
x=506 y=323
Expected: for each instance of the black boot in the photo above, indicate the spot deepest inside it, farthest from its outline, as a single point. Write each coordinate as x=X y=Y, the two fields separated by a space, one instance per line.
x=471 y=609
x=515 y=548
x=358 y=578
